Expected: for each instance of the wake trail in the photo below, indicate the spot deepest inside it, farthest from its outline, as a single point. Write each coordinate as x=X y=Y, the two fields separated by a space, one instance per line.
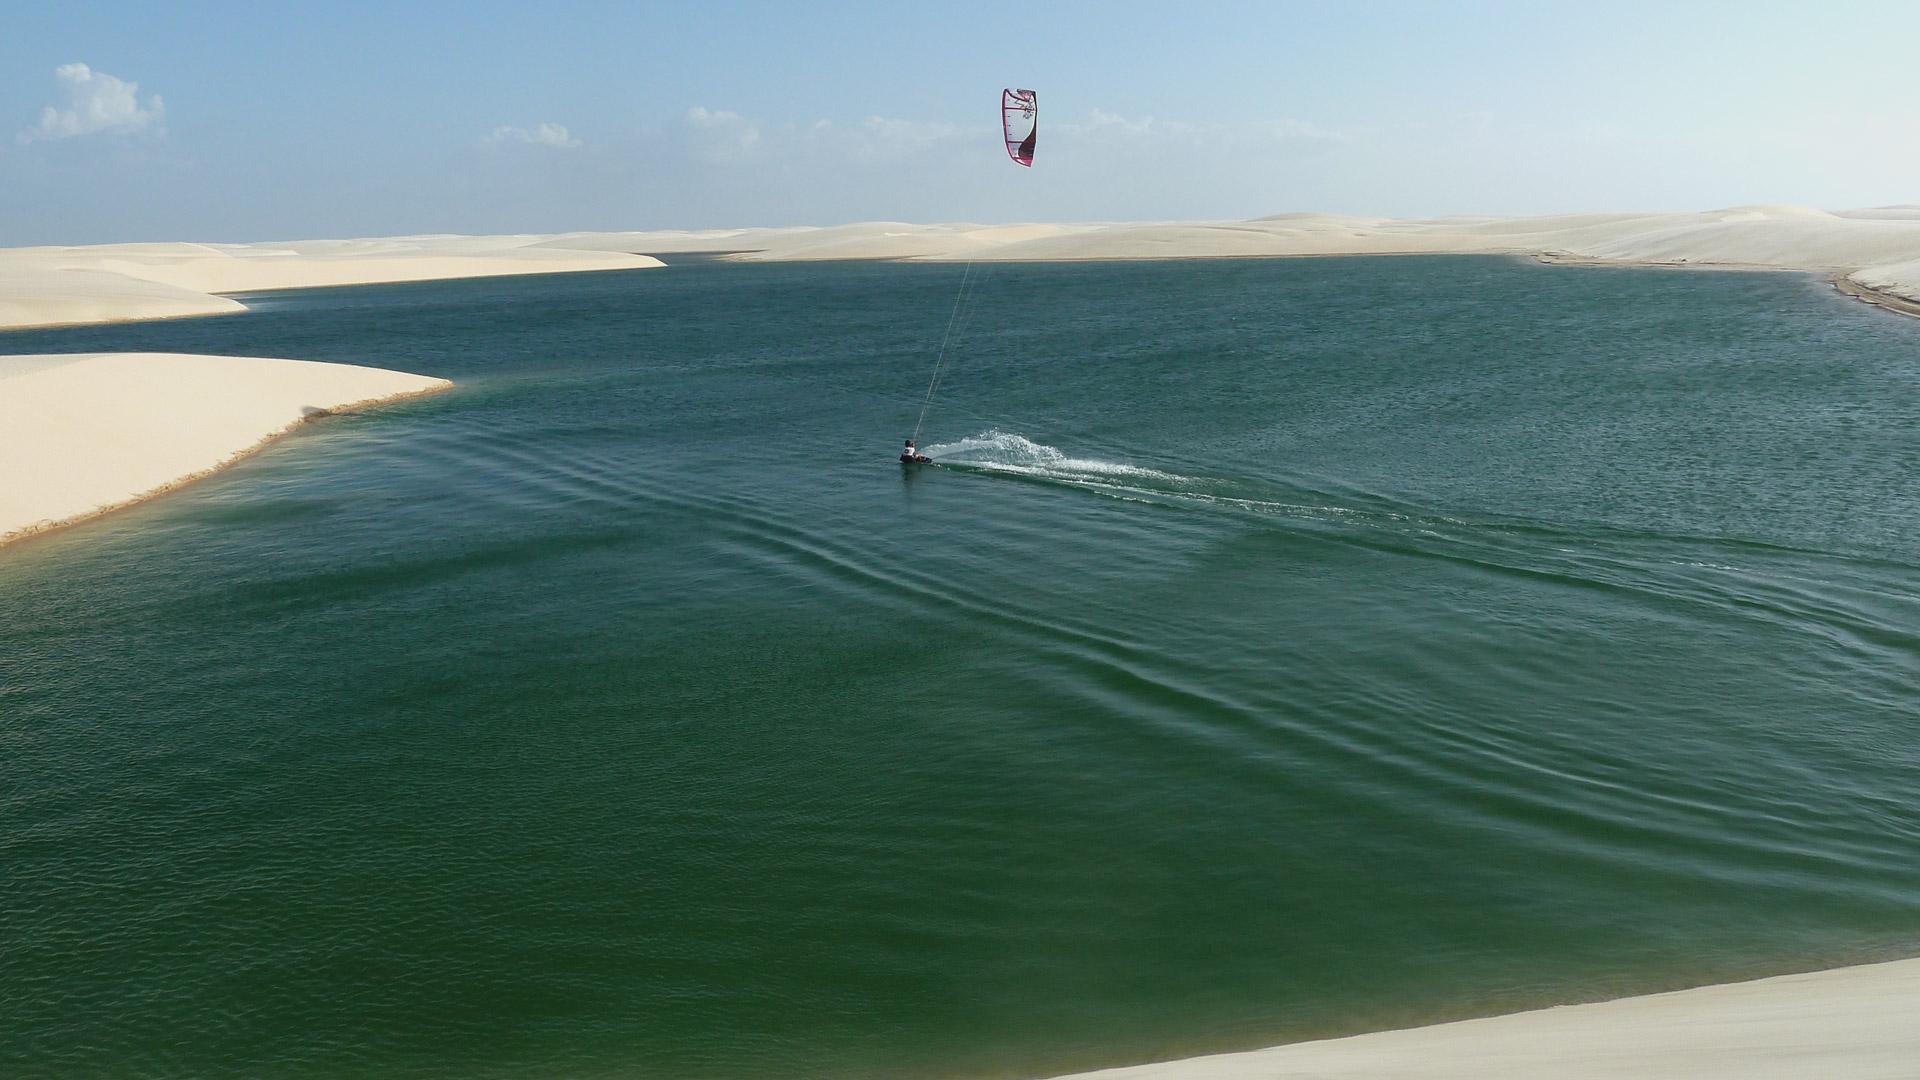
x=1000 y=451
x=1010 y=454
x=1378 y=523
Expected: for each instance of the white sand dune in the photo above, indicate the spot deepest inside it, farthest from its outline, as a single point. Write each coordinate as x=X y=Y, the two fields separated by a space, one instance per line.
x=1878 y=248
x=1855 y=1023
x=50 y=286
x=864 y=240
x=36 y=295
x=1775 y=237
x=84 y=433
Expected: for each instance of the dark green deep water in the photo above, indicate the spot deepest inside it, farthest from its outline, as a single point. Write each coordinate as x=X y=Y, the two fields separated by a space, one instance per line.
x=1281 y=649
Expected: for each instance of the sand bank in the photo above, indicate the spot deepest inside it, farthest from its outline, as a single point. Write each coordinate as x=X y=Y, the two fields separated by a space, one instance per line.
x=32 y=295
x=84 y=433
x=1881 y=293
x=1856 y=1023
x=53 y=286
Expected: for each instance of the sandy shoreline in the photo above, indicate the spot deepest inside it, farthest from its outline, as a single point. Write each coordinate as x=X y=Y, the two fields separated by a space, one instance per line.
x=1878 y=298
x=1854 y=1022
x=84 y=434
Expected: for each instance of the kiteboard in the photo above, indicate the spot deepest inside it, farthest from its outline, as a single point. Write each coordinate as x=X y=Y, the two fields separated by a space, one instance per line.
x=915 y=459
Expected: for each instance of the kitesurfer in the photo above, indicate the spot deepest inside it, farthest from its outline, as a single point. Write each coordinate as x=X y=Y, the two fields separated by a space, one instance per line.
x=911 y=456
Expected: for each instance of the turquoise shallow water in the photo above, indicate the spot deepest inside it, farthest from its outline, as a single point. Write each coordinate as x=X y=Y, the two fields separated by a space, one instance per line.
x=1277 y=650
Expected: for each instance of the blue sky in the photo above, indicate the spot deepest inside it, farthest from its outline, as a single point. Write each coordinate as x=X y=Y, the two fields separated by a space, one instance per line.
x=275 y=121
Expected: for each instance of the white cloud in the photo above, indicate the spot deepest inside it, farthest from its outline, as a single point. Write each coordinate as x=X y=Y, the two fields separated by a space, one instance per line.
x=1104 y=126
x=555 y=136
x=1100 y=120
x=702 y=117
x=96 y=103
x=886 y=133
x=878 y=139
x=911 y=132
x=720 y=135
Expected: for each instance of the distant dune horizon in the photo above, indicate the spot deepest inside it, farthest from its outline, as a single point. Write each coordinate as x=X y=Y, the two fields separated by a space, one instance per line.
x=1875 y=249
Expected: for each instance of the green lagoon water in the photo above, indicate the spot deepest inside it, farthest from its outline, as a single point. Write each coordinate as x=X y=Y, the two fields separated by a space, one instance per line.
x=1277 y=650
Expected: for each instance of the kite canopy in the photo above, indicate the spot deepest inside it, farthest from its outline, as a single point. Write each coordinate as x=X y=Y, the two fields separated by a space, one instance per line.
x=1020 y=121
